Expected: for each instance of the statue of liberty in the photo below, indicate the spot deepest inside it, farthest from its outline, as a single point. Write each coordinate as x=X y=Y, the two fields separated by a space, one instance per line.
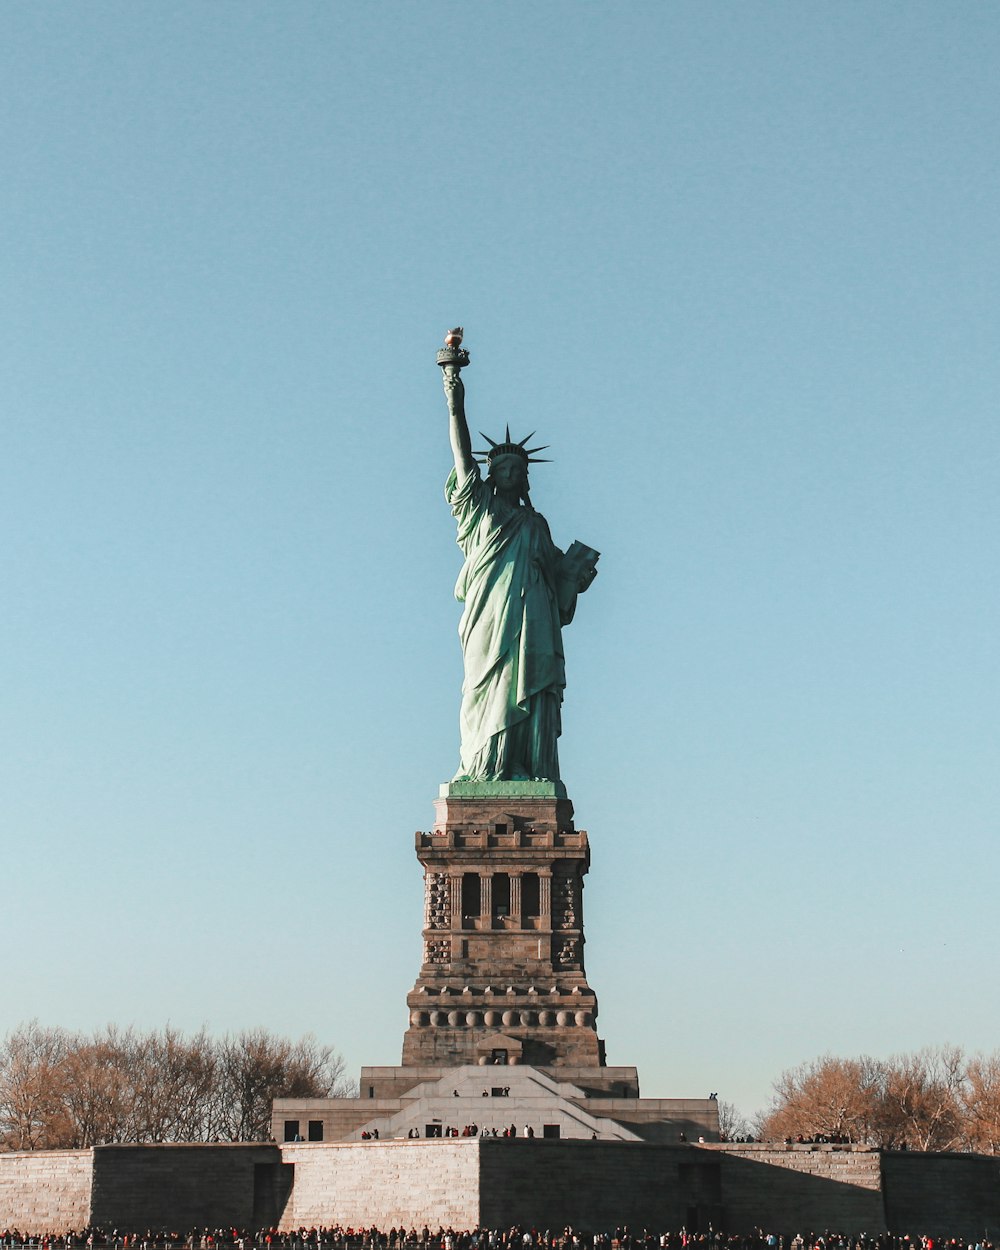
x=519 y=590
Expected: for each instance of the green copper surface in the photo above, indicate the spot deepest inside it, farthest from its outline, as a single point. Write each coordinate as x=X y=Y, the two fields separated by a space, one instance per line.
x=502 y=789
x=519 y=590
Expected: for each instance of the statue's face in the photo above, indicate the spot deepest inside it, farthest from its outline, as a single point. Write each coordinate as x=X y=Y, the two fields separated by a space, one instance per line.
x=509 y=473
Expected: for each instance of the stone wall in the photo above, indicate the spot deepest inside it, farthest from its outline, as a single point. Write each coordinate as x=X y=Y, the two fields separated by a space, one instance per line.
x=941 y=1193
x=661 y=1120
x=596 y=1184
x=606 y=1082
x=395 y=1105
x=801 y=1188
x=339 y=1117
x=182 y=1186
x=384 y=1183
x=45 y=1191
x=499 y=1182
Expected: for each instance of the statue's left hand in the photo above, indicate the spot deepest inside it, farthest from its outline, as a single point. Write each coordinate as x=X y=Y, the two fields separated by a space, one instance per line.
x=577 y=570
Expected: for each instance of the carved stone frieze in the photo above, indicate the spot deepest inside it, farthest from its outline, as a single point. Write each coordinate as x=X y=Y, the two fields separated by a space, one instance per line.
x=437 y=951
x=564 y=904
x=437 y=901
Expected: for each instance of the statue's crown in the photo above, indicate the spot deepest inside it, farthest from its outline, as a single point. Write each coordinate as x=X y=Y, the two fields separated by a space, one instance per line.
x=509 y=448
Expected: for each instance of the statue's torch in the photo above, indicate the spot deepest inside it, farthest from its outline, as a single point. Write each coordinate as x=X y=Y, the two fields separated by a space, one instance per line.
x=453 y=355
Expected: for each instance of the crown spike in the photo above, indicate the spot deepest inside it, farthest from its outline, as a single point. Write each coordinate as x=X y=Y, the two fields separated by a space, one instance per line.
x=511 y=448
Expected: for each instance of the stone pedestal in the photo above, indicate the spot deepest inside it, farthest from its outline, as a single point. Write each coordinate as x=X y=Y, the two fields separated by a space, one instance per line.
x=503 y=979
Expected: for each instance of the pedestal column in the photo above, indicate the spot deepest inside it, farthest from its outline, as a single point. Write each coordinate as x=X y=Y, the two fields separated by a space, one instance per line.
x=522 y=985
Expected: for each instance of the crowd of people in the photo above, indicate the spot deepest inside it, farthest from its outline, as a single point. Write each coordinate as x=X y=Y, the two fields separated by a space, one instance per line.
x=467 y=1130
x=515 y=1238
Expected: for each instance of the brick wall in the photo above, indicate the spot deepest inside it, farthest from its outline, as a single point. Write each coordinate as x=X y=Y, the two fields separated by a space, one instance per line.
x=943 y=1194
x=597 y=1184
x=467 y=1181
x=798 y=1188
x=499 y=1182
x=384 y=1183
x=46 y=1190
x=178 y=1187
x=661 y=1120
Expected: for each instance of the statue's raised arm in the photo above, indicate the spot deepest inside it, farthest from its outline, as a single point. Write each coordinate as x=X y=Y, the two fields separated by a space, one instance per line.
x=452 y=359
x=519 y=590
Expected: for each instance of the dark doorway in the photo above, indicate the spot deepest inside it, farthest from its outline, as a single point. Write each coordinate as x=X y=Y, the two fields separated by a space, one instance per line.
x=471 y=899
x=501 y=895
x=530 y=895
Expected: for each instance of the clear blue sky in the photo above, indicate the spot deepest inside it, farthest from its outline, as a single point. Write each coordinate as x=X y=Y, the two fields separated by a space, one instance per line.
x=738 y=264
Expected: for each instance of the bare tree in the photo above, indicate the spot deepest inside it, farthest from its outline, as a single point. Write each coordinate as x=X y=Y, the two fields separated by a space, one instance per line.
x=933 y=1099
x=94 y=1097
x=922 y=1098
x=166 y=1081
x=732 y=1122
x=981 y=1104
x=256 y=1067
x=31 y=1114
x=59 y=1089
x=827 y=1097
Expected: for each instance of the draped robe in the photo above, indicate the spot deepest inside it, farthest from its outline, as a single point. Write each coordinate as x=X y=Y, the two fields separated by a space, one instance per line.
x=511 y=636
